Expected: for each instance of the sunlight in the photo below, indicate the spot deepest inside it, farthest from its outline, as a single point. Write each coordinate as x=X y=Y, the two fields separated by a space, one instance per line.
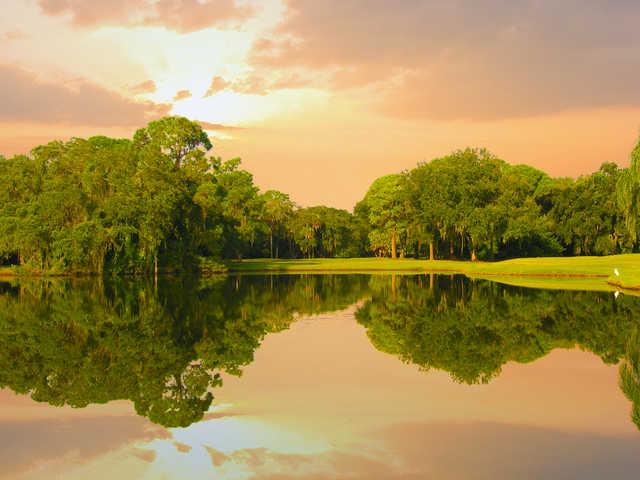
x=225 y=446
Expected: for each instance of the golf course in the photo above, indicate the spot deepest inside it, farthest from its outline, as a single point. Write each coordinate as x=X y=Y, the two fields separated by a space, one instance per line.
x=545 y=270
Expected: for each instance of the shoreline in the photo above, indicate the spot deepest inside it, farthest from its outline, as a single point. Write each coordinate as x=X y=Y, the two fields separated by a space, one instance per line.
x=542 y=268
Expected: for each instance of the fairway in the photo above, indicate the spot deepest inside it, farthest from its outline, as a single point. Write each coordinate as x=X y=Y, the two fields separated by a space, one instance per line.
x=545 y=269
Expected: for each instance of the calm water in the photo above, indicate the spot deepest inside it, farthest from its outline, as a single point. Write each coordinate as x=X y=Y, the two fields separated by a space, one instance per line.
x=317 y=377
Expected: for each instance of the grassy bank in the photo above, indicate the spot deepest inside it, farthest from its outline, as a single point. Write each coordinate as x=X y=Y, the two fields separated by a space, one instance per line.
x=597 y=268
x=345 y=265
x=626 y=280
x=556 y=272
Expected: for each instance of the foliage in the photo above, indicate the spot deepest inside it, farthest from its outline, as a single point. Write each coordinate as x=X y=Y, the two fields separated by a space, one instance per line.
x=474 y=205
x=161 y=202
x=628 y=195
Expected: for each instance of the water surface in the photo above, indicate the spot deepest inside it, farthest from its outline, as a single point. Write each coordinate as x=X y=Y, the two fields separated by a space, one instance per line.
x=317 y=377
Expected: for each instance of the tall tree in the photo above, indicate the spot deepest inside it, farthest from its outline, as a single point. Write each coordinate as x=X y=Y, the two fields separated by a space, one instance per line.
x=385 y=203
x=178 y=138
x=277 y=209
x=628 y=195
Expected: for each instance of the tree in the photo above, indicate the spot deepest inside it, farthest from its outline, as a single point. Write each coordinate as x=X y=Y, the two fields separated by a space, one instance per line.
x=303 y=227
x=385 y=205
x=522 y=227
x=628 y=195
x=181 y=140
x=277 y=209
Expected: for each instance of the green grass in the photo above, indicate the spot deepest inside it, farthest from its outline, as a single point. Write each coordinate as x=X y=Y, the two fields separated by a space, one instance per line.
x=345 y=265
x=7 y=272
x=628 y=280
x=580 y=273
x=562 y=266
x=547 y=270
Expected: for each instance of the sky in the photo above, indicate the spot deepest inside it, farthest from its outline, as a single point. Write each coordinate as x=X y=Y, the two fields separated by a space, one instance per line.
x=319 y=98
x=319 y=402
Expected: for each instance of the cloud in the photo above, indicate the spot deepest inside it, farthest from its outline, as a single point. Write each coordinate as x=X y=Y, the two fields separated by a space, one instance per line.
x=265 y=464
x=145 y=455
x=216 y=126
x=182 y=447
x=14 y=35
x=33 y=443
x=148 y=86
x=257 y=84
x=26 y=99
x=448 y=451
x=182 y=95
x=218 y=84
x=217 y=458
x=466 y=59
x=180 y=15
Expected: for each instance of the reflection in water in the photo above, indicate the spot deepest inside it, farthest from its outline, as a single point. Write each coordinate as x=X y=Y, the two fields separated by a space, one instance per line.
x=82 y=342
x=471 y=328
x=630 y=376
x=163 y=347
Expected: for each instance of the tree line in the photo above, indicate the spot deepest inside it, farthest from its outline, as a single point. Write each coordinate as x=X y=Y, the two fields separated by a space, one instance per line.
x=471 y=204
x=159 y=201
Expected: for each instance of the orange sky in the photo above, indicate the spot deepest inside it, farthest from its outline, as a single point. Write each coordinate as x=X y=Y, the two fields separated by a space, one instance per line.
x=320 y=98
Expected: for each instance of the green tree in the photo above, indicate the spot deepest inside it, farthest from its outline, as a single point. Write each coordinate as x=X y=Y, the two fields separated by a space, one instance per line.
x=178 y=138
x=385 y=206
x=276 y=211
x=628 y=195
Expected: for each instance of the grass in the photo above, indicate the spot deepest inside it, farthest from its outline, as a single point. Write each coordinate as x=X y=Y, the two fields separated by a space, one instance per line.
x=627 y=280
x=346 y=265
x=591 y=271
x=579 y=273
x=12 y=271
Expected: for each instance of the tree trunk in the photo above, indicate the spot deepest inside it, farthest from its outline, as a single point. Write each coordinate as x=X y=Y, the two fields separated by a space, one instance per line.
x=394 y=245
x=432 y=255
x=474 y=257
x=155 y=266
x=270 y=244
x=431 y=280
x=451 y=248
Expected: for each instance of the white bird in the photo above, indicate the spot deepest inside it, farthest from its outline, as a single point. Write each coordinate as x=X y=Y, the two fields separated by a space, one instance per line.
x=616 y=294
x=615 y=270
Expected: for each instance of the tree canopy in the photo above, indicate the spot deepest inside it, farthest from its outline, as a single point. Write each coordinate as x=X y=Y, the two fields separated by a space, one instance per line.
x=163 y=202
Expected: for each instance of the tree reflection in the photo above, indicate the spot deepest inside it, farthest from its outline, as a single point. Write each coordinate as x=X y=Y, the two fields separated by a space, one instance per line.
x=630 y=376
x=164 y=346
x=81 y=342
x=470 y=328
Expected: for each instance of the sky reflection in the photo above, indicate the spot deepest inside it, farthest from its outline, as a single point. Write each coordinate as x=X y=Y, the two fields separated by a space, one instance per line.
x=320 y=402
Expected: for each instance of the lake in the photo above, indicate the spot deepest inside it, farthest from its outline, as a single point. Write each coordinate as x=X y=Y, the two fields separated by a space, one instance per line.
x=317 y=377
